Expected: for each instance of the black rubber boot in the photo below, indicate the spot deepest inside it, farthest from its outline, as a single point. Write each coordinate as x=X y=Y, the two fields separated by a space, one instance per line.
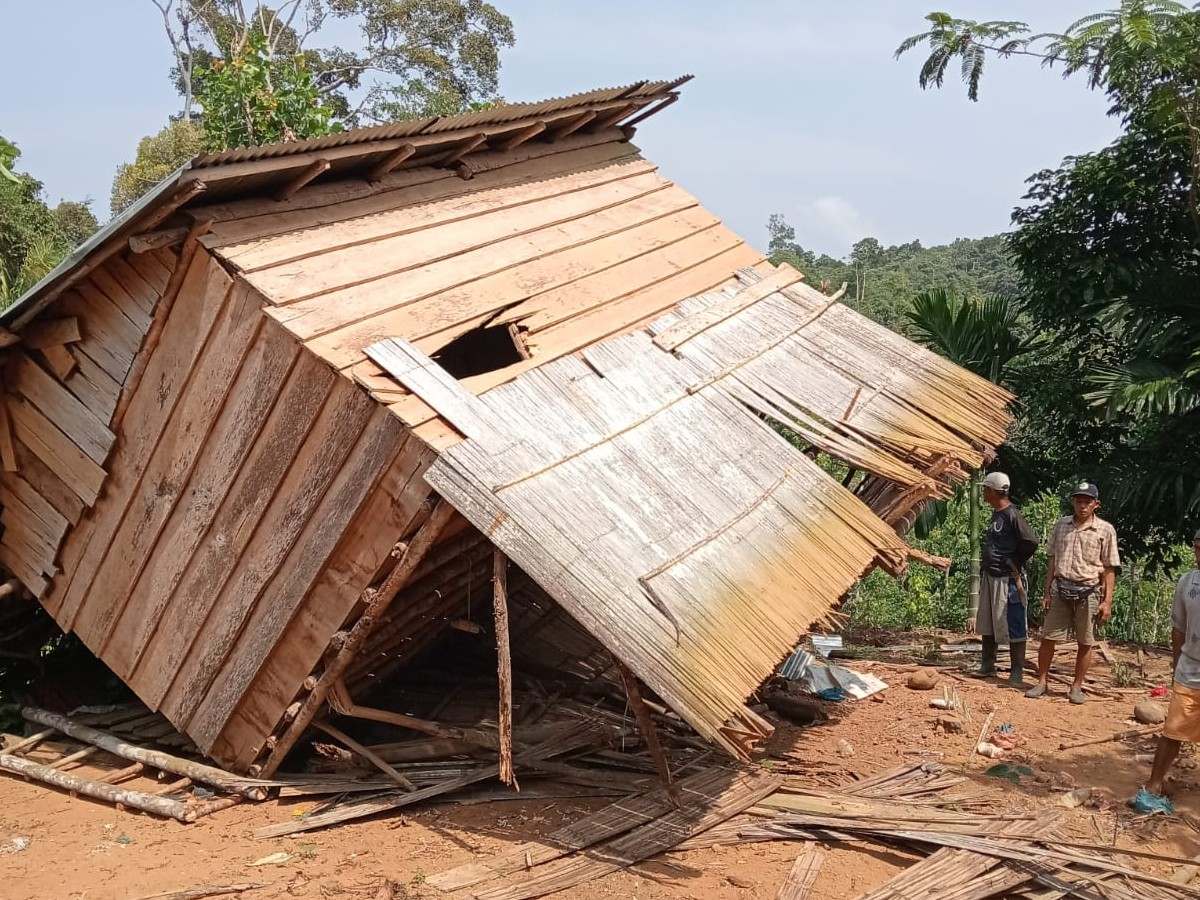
x=1016 y=673
x=987 y=667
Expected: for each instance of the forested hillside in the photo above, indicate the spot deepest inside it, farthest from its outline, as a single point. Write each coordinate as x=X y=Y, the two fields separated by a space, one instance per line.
x=882 y=281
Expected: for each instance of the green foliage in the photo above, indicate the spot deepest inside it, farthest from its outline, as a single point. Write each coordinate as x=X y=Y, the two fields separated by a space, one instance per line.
x=984 y=335
x=968 y=41
x=157 y=157
x=413 y=57
x=33 y=237
x=256 y=97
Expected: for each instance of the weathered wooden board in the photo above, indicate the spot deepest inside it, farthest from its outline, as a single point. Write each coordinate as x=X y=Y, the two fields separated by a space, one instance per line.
x=363 y=549
x=60 y=406
x=197 y=589
x=294 y=577
x=202 y=297
x=251 y=400
x=170 y=466
x=320 y=458
x=57 y=451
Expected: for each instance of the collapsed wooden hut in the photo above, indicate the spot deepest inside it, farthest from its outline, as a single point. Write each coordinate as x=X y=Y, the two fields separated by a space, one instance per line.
x=264 y=433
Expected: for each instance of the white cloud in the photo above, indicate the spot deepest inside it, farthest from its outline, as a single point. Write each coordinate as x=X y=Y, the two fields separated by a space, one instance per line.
x=836 y=219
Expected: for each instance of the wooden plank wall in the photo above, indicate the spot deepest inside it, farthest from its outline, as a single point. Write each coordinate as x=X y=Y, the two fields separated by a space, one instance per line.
x=577 y=240
x=237 y=471
x=60 y=390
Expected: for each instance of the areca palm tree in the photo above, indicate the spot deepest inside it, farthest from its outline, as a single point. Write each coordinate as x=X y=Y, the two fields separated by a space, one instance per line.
x=986 y=336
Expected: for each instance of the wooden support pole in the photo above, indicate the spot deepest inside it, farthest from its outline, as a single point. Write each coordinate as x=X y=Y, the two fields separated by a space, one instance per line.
x=154 y=240
x=390 y=163
x=172 y=786
x=218 y=778
x=97 y=790
x=74 y=757
x=468 y=145
x=560 y=131
x=611 y=118
x=376 y=601
x=32 y=741
x=503 y=666
x=116 y=776
x=647 y=113
x=342 y=703
x=303 y=177
x=646 y=726
x=366 y=753
x=519 y=137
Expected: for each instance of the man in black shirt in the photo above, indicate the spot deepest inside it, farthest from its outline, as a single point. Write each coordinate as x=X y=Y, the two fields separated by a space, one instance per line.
x=1008 y=544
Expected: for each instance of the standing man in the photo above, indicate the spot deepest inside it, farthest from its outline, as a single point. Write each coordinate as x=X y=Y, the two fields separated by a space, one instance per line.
x=1183 y=716
x=1008 y=544
x=1080 y=575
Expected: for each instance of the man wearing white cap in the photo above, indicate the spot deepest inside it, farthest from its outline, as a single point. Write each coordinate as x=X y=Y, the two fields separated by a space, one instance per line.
x=1008 y=544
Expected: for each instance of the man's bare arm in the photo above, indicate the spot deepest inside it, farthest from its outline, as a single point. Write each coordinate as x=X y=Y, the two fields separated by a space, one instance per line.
x=1177 y=637
x=1106 y=598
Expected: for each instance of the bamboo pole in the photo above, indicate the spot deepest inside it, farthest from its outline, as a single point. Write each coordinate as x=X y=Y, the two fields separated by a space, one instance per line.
x=366 y=753
x=1117 y=736
x=646 y=726
x=98 y=790
x=503 y=667
x=166 y=762
x=377 y=601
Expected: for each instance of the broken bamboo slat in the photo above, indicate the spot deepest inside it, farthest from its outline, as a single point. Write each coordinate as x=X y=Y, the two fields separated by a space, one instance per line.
x=503 y=667
x=98 y=790
x=205 y=890
x=377 y=602
x=32 y=741
x=200 y=772
x=383 y=803
x=802 y=875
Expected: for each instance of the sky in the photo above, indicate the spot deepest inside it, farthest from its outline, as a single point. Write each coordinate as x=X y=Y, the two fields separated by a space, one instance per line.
x=796 y=107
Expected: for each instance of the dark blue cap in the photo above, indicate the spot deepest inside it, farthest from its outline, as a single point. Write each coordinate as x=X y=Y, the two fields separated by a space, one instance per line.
x=1086 y=489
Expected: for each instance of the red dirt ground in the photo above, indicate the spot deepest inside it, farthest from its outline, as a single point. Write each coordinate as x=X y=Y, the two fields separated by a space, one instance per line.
x=81 y=849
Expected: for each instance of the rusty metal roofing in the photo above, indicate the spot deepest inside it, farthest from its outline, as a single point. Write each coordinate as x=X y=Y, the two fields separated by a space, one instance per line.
x=496 y=115
x=133 y=219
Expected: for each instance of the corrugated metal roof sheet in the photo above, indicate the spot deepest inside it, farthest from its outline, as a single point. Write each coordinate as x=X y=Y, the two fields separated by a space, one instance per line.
x=128 y=222
x=495 y=115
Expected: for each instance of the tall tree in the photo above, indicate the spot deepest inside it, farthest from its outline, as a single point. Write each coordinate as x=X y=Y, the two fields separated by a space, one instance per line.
x=415 y=57
x=157 y=157
x=1108 y=246
x=33 y=236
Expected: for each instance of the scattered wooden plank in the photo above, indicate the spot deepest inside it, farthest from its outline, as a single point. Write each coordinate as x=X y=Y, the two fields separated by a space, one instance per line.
x=803 y=874
x=370 y=806
x=435 y=386
x=205 y=890
x=699 y=811
x=366 y=753
x=44 y=482
x=618 y=818
x=50 y=332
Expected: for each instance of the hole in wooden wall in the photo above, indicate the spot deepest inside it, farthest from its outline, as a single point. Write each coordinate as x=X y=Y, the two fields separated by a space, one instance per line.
x=483 y=349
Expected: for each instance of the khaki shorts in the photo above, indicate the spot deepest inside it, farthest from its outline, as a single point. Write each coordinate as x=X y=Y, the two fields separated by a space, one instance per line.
x=1066 y=617
x=1183 y=715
